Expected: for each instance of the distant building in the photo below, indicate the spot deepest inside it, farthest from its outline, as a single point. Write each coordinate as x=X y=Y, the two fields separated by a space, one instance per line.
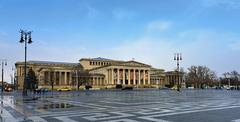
x=172 y=77
x=96 y=72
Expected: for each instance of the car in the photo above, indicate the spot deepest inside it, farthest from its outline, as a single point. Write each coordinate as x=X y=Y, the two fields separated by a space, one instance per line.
x=44 y=89
x=88 y=87
x=127 y=88
x=191 y=87
x=64 y=89
x=174 y=88
x=8 y=89
x=218 y=87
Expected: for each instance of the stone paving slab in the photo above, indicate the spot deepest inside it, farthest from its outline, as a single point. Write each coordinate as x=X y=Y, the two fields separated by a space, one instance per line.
x=124 y=106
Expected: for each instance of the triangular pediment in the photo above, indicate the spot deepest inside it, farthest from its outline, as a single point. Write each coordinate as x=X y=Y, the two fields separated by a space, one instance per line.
x=134 y=63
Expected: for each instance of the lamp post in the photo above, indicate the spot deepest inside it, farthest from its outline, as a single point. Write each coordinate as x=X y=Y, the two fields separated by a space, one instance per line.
x=4 y=63
x=26 y=39
x=178 y=58
x=228 y=76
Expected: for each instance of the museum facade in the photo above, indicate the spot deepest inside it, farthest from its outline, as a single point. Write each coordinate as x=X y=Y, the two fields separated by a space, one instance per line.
x=97 y=73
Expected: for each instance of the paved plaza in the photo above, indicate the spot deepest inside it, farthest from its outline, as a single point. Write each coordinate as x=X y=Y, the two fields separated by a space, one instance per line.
x=124 y=106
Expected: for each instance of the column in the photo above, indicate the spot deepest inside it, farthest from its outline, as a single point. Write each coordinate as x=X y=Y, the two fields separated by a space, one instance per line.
x=108 y=76
x=54 y=78
x=144 y=83
x=129 y=77
x=97 y=82
x=93 y=81
x=167 y=79
x=139 y=77
x=134 y=77
x=48 y=77
x=65 y=78
x=118 y=82
x=60 y=78
x=112 y=77
x=70 y=78
x=123 y=76
x=148 y=77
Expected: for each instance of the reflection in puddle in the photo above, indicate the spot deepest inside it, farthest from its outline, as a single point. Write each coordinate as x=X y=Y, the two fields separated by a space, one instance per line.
x=30 y=99
x=56 y=105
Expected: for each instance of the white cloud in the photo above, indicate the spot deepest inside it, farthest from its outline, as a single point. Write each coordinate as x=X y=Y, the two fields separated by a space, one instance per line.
x=123 y=14
x=92 y=12
x=229 y=4
x=147 y=50
x=158 y=26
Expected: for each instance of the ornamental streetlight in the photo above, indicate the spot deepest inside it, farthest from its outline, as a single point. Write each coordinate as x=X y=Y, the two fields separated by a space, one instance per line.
x=178 y=58
x=4 y=63
x=26 y=39
x=228 y=76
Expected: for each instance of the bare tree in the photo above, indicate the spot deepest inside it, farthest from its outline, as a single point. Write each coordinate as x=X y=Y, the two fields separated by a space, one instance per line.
x=81 y=77
x=232 y=78
x=76 y=72
x=200 y=76
x=52 y=77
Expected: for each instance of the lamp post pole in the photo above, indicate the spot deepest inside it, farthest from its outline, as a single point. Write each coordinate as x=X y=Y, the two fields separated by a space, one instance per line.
x=228 y=76
x=26 y=39
x=4 y=63
x=178 y=58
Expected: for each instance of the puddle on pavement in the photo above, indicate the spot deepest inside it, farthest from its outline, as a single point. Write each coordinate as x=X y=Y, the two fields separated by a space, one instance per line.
x=31 y=99
x=56 y=106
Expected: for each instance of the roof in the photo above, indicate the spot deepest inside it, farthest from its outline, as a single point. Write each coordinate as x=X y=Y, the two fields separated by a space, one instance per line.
x=49 y=63
x=156 y=69
x=100 y=59
x=173 y=72
x=120 y=64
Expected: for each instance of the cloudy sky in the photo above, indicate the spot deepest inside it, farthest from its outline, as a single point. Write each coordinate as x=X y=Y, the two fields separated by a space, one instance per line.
x=206 y=32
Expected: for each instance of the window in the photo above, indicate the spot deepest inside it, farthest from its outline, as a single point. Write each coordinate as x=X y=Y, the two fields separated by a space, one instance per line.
x=90 y=63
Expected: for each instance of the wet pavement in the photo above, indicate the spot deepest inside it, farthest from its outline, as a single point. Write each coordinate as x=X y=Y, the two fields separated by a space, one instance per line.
x=149 y=105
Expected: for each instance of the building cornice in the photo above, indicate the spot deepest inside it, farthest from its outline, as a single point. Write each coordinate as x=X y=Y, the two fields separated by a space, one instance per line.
x=49 y=63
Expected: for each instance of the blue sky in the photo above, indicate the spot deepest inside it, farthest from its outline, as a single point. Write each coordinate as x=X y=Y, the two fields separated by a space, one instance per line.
x=150 y=31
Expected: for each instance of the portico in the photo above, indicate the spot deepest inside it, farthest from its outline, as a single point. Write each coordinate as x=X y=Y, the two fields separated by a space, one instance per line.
x=128 y=76
x=125 y=73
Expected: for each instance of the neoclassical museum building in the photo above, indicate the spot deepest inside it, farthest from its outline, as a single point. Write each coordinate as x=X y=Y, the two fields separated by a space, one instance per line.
x=98 y=73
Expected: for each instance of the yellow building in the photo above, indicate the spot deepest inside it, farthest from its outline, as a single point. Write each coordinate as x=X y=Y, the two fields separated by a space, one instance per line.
x=95 y=72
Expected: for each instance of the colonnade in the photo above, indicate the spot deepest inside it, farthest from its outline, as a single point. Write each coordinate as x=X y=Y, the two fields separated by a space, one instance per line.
x=128 y=76
x=96 y=81
x=173 y=79
x=57 y=77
